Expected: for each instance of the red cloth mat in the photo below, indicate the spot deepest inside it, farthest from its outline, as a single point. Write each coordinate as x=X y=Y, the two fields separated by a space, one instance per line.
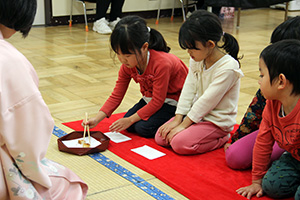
x=204 y=176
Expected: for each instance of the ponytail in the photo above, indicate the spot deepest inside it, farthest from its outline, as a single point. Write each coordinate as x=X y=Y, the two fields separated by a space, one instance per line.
x=230 y=45
x=157 y=42
x=203 y=26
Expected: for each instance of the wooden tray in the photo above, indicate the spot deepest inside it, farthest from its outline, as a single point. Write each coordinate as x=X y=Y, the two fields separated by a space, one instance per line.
x=103 y=139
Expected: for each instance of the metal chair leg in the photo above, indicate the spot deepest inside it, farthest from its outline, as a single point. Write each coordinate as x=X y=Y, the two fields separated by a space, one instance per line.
x=172 y=15
x=70 y=21
x=183 y=12
x=286 y=11
x=238 y=18
x=85 y=17
x=158 y=12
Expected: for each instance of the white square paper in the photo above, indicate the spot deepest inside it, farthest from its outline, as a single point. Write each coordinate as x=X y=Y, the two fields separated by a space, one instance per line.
x=75 y=144
x=148 y=152
x=117 y=137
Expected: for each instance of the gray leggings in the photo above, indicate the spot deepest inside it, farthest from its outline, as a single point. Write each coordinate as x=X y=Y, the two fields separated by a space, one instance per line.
x=283 y=178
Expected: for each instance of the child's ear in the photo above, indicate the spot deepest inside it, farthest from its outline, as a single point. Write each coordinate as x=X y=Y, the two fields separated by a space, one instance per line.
x=282 y=81
x=210 y=44
x=145 y=46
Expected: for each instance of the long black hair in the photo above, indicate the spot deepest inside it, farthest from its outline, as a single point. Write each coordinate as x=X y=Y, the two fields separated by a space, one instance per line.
x=203 y=26
x=18 y=14
x=131 y=33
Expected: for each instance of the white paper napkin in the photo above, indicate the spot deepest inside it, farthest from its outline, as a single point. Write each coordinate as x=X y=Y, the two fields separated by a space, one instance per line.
x=117 y=137
x=148 y=152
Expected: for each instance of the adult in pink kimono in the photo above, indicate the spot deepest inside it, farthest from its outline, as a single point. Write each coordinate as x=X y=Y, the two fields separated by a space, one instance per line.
x=25 y=121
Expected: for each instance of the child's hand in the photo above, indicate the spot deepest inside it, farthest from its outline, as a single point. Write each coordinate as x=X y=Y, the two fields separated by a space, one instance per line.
x=250 y=190
x=166 y=128
x=120 y=124
x=173 y=132
x=91 y=122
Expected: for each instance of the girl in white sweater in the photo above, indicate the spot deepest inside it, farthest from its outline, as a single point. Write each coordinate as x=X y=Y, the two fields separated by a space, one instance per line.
x=207 y=106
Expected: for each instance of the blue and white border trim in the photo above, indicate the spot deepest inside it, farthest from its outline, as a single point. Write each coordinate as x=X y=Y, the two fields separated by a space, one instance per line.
x=118 y=169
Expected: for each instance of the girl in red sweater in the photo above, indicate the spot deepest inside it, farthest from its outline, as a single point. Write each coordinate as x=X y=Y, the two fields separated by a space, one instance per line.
x=144 y=55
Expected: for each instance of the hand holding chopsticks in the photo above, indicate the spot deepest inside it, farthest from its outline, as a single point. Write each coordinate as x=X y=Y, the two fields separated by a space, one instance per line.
x=86 y=128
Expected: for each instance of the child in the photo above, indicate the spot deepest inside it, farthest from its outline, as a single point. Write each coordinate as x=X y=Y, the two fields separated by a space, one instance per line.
x=239 y=154
x=26 y=124
x=280 y=84
x=144 y=55
x=207 y=106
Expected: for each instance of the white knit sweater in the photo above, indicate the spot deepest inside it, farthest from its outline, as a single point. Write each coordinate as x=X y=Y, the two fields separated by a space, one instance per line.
x=212 y=94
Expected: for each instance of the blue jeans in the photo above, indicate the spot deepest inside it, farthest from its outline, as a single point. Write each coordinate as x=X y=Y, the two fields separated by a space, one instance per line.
x=149 y=127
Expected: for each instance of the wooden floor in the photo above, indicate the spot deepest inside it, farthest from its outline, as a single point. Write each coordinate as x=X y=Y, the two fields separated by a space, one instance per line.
x=77 y=71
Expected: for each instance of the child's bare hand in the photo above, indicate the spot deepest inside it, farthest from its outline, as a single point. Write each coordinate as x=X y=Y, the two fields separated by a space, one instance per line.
x=91 y=122
x=120 y=124
x=174 y=132
x=165 y=129
x=251 y=190
x=226 y=146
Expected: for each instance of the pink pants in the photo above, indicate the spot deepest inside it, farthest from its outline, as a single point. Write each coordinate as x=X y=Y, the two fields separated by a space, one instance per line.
x=239 y=154
x=198 y=138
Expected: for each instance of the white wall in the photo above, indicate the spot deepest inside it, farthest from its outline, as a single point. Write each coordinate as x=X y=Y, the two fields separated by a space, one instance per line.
x=293 y=5
x=40 y=13
x=63 y=7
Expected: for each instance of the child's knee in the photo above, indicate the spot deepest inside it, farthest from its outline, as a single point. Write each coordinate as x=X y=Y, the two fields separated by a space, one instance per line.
x=271 y=187
x=178 y=146
x=144 y=130
x=181 y=147
x=159 y=140
x=235 y=161
x=276 y=187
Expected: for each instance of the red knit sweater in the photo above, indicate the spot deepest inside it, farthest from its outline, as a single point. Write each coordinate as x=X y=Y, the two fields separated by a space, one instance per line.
x=163 y=78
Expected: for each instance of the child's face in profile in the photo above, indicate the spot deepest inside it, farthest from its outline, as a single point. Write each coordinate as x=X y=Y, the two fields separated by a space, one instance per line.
x=267 y=89
x=200 y=53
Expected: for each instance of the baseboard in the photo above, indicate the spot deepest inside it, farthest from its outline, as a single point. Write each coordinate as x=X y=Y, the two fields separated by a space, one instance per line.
x=76 y=19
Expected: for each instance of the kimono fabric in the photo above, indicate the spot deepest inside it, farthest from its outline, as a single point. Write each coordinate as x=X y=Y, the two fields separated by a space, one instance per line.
x=26 y=127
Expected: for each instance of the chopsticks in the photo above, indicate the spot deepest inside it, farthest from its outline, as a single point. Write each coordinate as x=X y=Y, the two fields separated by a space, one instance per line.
x=86 y=128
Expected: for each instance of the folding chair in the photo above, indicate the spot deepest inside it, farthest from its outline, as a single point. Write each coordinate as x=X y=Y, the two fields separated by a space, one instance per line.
x=83 y=2
x=172 y=16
